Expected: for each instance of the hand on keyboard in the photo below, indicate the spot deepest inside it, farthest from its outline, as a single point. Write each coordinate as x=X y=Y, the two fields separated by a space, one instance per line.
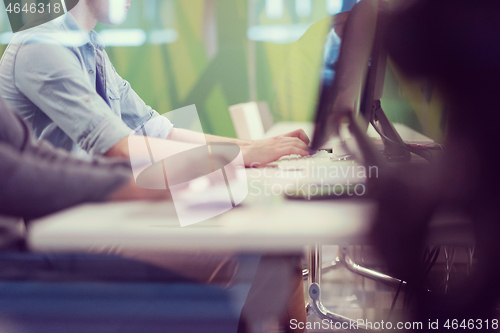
x=263 y=152
x=298 y=162
x=322 y=154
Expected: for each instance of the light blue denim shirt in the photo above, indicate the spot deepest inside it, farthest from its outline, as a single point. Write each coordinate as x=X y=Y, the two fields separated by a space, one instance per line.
x=330 y=56
x=48 y=74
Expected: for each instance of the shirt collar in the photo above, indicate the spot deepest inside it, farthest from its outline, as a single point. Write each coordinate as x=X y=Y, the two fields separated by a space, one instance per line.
x=69 y=22
x=96 y=40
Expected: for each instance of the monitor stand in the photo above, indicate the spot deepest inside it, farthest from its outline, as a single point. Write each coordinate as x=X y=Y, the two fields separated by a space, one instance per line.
x=393 y=144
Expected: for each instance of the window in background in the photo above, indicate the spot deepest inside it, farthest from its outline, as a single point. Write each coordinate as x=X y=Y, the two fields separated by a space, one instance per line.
x=333 y=6
x=154 y=23
x=149 y=21
x=274 y=8
x=283 y=22
x=303 y=8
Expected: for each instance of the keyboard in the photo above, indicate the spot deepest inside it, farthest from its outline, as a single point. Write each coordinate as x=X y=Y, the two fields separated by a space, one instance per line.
x=297 y=162
x=321 y=175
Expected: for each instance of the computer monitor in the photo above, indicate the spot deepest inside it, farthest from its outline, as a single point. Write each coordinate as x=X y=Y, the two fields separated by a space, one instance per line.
x=357 y=86
x=395 y=149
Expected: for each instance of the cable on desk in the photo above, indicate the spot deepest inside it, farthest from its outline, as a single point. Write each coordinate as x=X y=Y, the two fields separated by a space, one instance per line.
x=408 y=147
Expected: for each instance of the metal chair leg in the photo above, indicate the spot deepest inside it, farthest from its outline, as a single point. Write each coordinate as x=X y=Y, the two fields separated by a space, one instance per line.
x=319 y=308
x=368 y=273
x=344 y=258
x=315 y=304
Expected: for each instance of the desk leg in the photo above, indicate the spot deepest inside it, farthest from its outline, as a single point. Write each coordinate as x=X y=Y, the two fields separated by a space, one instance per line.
x=315 y=305
x=314 y=271
x=315 y=264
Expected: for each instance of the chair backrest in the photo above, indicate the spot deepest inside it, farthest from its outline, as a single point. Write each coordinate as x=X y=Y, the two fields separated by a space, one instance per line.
x=265 y=115
x=247 y=121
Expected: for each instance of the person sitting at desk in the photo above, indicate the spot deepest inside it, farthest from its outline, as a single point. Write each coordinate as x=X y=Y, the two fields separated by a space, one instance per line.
x=58 y=77
x=61 y=81
x=37 y=179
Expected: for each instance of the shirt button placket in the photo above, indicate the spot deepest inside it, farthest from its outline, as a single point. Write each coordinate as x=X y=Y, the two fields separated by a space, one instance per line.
x=90 y=47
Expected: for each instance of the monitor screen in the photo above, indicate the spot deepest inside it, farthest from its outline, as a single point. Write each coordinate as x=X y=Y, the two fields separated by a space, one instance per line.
x=352 y=86
x=344 y=79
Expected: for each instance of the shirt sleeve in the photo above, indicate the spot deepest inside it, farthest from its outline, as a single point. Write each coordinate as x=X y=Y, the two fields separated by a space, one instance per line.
x=156 y=127
x=36 y=183
x=137 y=114
x=51 y=77
x=37 y=179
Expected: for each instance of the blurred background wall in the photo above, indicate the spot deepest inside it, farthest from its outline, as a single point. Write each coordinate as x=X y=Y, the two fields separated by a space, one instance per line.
x=216 y=53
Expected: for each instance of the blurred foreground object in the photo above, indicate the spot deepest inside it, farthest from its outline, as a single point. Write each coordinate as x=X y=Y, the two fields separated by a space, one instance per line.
x=456 y=46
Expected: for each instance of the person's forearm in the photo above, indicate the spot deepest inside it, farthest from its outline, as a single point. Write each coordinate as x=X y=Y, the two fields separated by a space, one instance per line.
x=239 y=142
x=144 y=147
x=144 y=152
x=35 y=185
x=183 y=135
x=255 y=152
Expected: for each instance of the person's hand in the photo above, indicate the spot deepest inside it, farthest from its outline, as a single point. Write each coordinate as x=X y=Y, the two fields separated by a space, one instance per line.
x=262 y=152
x=131 y=191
